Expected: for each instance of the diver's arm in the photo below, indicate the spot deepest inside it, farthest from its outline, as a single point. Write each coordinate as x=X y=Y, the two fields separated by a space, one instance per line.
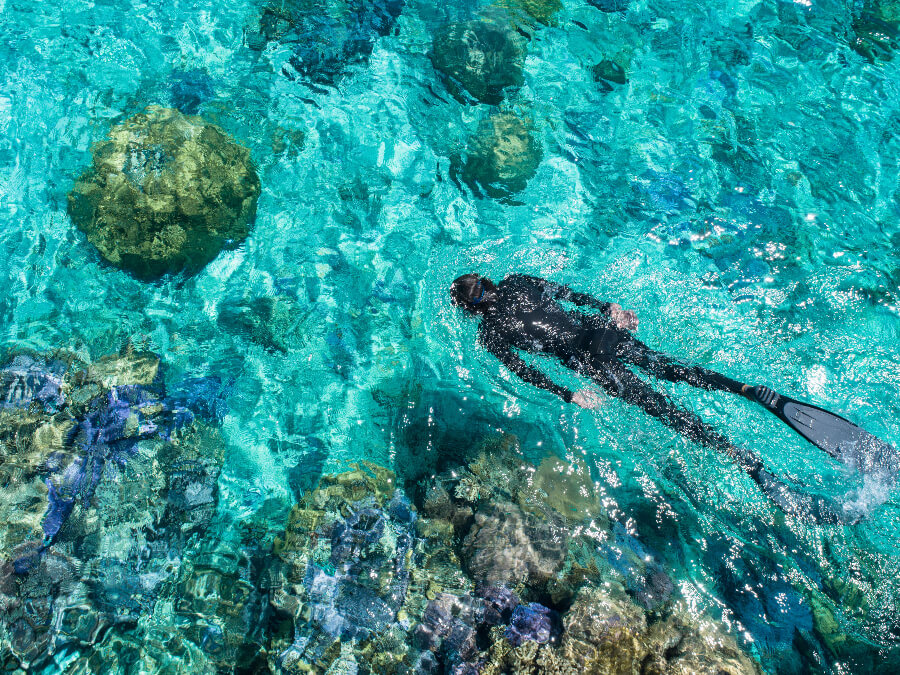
x=563 y=292
x=623 y=318
x=530 y=375
x=582 y=299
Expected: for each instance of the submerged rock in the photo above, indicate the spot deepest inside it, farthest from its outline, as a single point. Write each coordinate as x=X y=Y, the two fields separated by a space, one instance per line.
x=479 y=60
x=502 y=157
x=683 y=645
x=608 y=73
x=609 y=5
x=264 y=320
x=166 y=194
x=190 y=89
x=545 y=528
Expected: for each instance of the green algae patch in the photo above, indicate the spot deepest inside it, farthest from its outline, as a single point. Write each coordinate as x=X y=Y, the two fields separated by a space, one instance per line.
x=166 y=193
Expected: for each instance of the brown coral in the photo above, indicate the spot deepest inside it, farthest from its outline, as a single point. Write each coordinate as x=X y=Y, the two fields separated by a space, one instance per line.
x=166 y=193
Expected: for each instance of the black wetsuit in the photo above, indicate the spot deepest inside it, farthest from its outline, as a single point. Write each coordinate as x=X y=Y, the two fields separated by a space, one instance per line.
x=527 y=316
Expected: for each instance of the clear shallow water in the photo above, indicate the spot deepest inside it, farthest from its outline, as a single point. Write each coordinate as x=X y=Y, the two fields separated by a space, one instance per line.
x=740 y=192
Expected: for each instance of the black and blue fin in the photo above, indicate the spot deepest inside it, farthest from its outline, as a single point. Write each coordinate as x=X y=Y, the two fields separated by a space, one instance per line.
x=837 y=436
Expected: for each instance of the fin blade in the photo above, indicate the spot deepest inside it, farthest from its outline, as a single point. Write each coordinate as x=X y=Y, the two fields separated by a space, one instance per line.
x=840 y=438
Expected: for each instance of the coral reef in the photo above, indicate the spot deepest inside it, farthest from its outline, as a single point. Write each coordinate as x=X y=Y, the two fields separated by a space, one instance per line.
x=355 y=564
x=604 y=632
x=166 y=193
x=32 y=380
x=502 y=157
x=31 y=605
x=876 y=30
x=542 y=11
x=506 y=545
x=474 y=582
x=120 y=557
x=479 y=60
x=326 y=39
x=101 y=498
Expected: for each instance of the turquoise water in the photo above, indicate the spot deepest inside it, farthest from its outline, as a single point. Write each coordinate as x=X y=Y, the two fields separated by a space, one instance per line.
x=741 y=192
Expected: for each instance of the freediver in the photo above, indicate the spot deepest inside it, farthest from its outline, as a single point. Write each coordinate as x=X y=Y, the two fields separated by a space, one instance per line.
x=524 y=313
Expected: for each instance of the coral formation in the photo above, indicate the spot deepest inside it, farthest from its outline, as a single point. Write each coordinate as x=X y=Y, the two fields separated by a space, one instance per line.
x=29 y=380
x=479 y=60
x=363 y=580
x=355 y=564
x=101 y=496
x=166 y=193
x=604 y=632
x=876 y=30
x=542 y=11
x=503 y=156
x=326 y=39
x=499 y=569
x=506 y=545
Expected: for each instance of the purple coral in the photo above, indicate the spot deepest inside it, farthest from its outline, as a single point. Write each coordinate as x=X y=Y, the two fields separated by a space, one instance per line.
x=532 y=622
x=110 y=432
x=499 y=603
x=26 y=380
x=368 y=582
x=449 y=626
x=352 y=536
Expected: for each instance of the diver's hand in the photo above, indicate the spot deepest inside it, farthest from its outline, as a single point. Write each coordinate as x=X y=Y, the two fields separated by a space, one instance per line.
x=623 y=318
x=587 y=399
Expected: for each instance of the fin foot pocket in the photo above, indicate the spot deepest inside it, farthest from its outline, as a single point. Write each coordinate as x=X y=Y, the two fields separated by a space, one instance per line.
x=766 y=396
x=802 y=505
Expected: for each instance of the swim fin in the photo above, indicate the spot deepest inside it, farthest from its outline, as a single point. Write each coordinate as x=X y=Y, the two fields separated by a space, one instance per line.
x=785 y=497
x=840 y=438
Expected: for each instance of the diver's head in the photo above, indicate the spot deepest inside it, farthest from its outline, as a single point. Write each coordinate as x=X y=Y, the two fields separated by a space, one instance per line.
x=472 y=292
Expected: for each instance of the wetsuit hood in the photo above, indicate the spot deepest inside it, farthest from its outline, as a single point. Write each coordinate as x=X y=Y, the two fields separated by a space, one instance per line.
x=473 y=293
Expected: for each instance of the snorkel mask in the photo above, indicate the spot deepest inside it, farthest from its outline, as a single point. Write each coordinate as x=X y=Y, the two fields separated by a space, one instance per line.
x=480 y=297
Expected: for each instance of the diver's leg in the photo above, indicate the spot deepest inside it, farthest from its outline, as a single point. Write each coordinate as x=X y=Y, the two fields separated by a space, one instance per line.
x=620 y=382
x=664 y=367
